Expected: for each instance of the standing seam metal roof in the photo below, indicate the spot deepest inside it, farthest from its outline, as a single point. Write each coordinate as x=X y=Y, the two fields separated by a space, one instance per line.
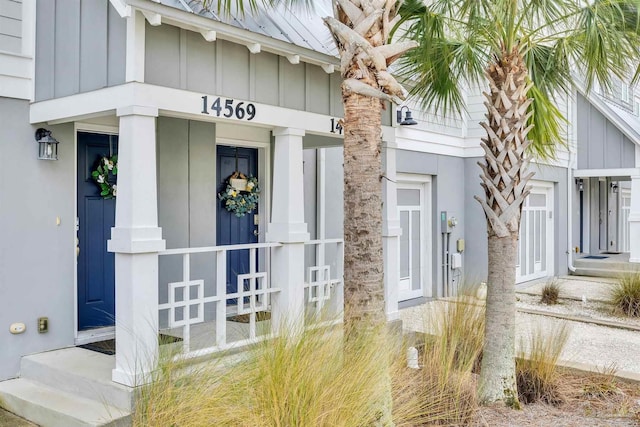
x=299 y=27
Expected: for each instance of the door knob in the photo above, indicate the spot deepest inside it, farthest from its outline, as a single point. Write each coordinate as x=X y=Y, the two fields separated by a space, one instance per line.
x=256 y=232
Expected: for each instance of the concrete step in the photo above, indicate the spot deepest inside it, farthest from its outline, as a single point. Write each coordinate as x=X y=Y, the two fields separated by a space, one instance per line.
x=620 y=267
x=597 y=272
x=80 y=372
x=49 y=407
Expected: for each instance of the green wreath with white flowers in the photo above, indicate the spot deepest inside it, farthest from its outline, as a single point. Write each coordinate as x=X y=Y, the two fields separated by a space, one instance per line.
x=105 y=176
x=240 y=194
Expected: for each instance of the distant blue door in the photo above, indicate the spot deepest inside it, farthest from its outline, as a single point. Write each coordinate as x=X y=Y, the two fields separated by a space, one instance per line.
x=233 y=230
x=96 y=216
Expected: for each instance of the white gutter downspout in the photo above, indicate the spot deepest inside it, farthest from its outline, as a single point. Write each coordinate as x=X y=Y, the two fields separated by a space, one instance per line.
x=570 y=212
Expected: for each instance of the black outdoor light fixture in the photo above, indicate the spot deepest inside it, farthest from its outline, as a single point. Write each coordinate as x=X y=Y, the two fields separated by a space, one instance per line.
x=580 y=184
x=47 y=145
x=614 y=187
x=408 y=120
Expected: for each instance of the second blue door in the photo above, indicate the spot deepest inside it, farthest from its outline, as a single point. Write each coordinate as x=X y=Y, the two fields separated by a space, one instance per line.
x=233 y=230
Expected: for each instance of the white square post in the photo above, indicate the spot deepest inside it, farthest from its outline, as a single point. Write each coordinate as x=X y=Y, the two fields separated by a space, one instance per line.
x=634 y=220
x=288 y=227
x=391 y=230
x=136 y=240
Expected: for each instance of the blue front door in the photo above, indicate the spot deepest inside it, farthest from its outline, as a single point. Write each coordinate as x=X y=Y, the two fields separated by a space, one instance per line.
x=233 y=230
x=96 y=216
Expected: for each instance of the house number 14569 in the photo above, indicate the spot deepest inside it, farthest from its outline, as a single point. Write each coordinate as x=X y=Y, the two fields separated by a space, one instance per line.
x=229 y=109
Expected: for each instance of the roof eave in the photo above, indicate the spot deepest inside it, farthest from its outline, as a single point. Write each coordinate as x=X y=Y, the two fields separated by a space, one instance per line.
x=203 y=25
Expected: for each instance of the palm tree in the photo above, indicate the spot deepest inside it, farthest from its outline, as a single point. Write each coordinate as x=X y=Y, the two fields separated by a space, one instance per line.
x=361 y=31
x=529 y=52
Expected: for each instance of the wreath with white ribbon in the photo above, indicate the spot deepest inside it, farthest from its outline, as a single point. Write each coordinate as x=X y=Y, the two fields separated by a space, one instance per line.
x=105 y=176
x=240 y=194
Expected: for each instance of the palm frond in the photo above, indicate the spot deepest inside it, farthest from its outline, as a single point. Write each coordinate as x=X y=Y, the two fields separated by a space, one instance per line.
x=606 y=38
x=443 y=63
x=547 y=132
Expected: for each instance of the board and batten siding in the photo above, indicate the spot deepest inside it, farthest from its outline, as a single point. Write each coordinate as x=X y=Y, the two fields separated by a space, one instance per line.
x=11 y=26
x=80 y=47
x=601 y=145
x=182 y=59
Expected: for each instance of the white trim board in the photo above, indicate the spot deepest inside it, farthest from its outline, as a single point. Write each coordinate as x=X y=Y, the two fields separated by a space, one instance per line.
x=172 y=103
x=596 y=173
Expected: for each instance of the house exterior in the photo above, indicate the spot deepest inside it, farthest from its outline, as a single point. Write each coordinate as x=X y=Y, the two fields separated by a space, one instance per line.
x=184 y=99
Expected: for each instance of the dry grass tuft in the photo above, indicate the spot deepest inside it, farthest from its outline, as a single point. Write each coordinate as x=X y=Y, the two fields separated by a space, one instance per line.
x=442 y=391
x=625 y=295
x=536 y=366
x=314 y=378
x=550 y=293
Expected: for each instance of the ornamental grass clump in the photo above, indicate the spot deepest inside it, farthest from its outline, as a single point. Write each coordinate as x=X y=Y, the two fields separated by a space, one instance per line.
x=550 y=293
x=625 y=295
x=536 y=365
x=442 y=391
x=311 y=378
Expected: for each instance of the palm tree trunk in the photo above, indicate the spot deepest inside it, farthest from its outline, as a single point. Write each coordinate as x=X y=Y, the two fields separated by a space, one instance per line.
x=364 y=291
x=505 y=184
x=498 y=381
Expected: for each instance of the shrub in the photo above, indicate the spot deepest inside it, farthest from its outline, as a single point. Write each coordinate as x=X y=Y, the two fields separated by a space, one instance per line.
x=625 y=295
x=536 y=365
x=550 y=293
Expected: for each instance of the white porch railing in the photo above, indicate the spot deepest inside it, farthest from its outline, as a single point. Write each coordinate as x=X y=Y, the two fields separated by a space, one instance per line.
x=197 y=310
x=324 y=291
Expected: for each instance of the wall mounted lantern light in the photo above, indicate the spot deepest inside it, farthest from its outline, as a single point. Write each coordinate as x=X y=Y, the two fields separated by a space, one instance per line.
x=580 y=184
x=408 y=120
x=47 y=145
x=614 y=187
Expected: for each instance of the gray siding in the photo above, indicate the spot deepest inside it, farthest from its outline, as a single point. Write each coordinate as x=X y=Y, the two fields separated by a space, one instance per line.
x=37 y=257
x=80 y=46
x=11 y=26
x=186 y=200
x=184 y=60
x=186 y=182
x=601 y=145
x=475 y=226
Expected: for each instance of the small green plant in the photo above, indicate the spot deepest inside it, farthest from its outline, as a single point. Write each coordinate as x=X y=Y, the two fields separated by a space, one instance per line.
x=601 y=384
x=550 y=293
x=536 y=365
x=625 y=295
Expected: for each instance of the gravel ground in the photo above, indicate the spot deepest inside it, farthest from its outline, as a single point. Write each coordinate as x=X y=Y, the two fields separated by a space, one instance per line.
x=599 y=346
x=595 y=345
x=595 y=310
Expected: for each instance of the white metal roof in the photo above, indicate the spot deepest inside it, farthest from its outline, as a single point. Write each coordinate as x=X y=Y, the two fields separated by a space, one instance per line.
x=299 y=27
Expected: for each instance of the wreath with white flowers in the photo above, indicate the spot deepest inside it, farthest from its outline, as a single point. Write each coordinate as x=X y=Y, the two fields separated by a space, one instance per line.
x=105 y=176
x=240 y=194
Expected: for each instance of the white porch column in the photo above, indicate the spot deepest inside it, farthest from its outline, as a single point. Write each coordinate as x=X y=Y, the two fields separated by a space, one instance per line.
x=391 y=230
x=288 y=227
x=136 y=240
x=634 y=220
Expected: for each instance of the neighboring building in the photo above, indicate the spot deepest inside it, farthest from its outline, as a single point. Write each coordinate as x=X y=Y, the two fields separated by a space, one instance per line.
x=184 y=99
